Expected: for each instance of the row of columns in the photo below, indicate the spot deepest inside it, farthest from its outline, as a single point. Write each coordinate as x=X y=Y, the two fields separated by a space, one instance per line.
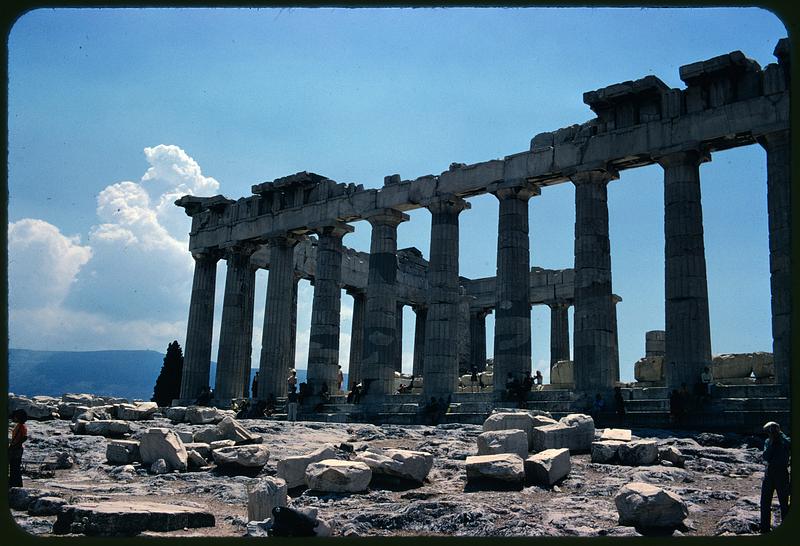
x=375 y=352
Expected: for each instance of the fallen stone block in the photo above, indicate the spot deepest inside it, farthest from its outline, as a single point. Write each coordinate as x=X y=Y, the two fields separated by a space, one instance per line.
x=21 y=498
x=241 y=459
x=638 y=453
x=575 y=432
x=203 y=449
x=110 y=428
x=202 y=415
x=194 y=460
x=207 y=436
x=293 y=469
x=136 y=412
x=230 y=429
x=128 y=518
x=220 y=444
x=507 y=467
x=36 y=410
x=619 y=434
x=399 y=463
x=122 y=452
x=548 y=466
x=647 y=506
x=605 y=451
x=46 y=506
x=162 y=443
x=673 y=455
x=514 y=421
x=336 y=476
x=263 y=496
x=58 y=460
x=503 y=441
x=176 y=414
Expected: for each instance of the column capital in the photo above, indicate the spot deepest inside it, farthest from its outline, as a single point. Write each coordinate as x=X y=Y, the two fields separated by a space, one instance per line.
x=385 y=217
x=285 y=239
x=242 y=249
x=774 y=139
x=514 y=189
x=593 y=175
x=446 y=203
x=355 y=291
x=209 y=254
x=694 y=155
x=558 y=304
x=331 y=228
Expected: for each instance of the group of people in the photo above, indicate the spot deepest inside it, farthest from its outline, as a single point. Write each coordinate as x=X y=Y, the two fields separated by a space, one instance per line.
x=599 y=405
x=518 y=391
x=435 y=410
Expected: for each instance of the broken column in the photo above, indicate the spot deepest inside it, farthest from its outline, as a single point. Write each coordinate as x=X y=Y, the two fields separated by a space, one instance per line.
x=276 y=338
x=512 y=327
x=200 y=327
x=779 y=180
x=235 y=347
x=323 y=346
x=594 y=357
x=356 y=337
x=380 y=335
x=477 y=336
x=559 y=332
x=440 y=368
x=421 y=313
x=688 y=335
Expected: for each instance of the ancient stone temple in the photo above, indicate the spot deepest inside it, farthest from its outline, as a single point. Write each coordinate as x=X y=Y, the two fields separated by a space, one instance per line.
x=297 y=227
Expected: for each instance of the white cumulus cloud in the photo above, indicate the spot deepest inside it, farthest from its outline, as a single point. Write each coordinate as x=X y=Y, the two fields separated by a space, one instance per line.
x=42 y=263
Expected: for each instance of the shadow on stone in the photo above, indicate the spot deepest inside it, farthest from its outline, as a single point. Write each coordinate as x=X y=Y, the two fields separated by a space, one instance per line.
x=392 y=483
x=237 y=470
x=488 y=484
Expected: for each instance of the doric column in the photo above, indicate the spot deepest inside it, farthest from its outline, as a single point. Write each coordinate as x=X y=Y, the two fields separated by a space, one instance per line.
x=356 y=337
x=276 y=339
x=615 y=299
x=594 y=339
x=293 y=328
x=440 y=369
x=380 y=335
x=233 y=355
x=779 y=181
x=421 y=313
x=326 y=309
x=559 y=332
x=477 y=338
x=200 y=327
x=688 y=334
x=512 y=327
x=249 y=300
x=398 y=321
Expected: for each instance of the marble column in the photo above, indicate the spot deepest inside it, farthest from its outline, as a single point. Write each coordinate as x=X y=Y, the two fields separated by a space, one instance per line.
x=356 y=337
x=615 y=299
x=233 y=355
x=293 y=328
x=512 y=327
x=276 y=339
x=477 y=337
x=688 y=334
x=559 y=332
x=326 y=309
x=247 y=366
x=421 y=313
x=779 y=210
x=440 y=368
x=398 y=320
x=594 y=309
x=380 y=335
x=200 y=327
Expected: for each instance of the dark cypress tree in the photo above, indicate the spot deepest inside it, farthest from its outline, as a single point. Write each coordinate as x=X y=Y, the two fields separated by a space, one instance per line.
x=168 y=384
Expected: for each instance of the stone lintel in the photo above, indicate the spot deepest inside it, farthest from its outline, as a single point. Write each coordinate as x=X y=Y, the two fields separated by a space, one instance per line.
x=611 y=95
x=732 y=63
x=193 y=204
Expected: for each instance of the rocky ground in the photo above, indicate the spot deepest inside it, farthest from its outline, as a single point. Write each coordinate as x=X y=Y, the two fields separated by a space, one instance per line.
x=719 y=483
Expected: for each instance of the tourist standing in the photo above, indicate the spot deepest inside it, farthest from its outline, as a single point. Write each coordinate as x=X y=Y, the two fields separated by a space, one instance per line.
x=254 y=388
x=619 y=404
x=707 y=378
x=473 y=378
x=291 y=381
x=19 y=434
x=339 y=379
x=777 y=450
x=291 y=406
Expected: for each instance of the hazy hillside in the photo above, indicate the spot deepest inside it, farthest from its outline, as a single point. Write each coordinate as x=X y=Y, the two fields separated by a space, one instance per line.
x=128 y=374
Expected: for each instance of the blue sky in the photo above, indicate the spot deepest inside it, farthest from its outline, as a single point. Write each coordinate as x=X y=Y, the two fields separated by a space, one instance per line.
x=113 y=112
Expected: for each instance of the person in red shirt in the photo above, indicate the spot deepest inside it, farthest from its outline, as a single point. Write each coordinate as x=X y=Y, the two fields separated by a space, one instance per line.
x=18 y=436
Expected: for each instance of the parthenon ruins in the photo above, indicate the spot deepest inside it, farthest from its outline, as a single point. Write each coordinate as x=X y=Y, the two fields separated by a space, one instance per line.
x=728 y=101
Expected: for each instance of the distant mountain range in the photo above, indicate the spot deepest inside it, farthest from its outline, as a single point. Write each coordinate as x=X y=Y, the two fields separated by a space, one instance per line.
x=127 y=374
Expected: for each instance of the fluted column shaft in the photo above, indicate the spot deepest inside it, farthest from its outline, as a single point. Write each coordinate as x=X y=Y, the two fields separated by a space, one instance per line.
x=323 y=347
x=276 y=339
x=419 y=340
x=356 y=338
x=688 y=334
x=615 y=353
x=477 y=338
x=200 y=327
x=559 y=332
x=512 y=327
x=293 y=327
x=779 y=182
x=380 y=329
x=594 y=358
x=236 y=329
x=440 y=368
